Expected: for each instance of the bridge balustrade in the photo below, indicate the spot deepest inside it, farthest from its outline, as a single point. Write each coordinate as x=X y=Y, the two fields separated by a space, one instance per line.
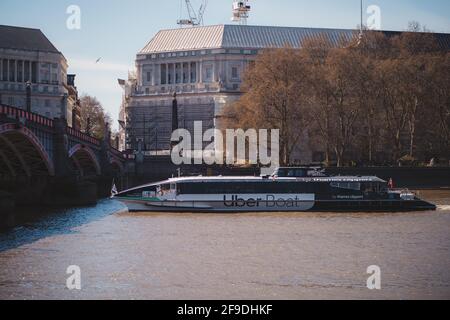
x=14 y=112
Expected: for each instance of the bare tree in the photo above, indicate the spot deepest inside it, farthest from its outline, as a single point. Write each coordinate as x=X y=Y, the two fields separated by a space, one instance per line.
x=386 y=91
x=93 y=117
x=274 y=97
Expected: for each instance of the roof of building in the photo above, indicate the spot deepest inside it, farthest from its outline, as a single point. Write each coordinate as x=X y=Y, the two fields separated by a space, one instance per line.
x=248 y=37
x=25 y=39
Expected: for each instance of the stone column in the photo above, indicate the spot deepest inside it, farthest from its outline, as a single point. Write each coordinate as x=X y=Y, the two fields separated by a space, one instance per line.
x=38 y=73
x=153 y=75
x=61 y=148
x=64 y=107
x=159 y=74
x=15 y=70
x=189 y=72
x=30 y=69
x=167 y=73
x=7 y=70
x=23 y=71
x=1 y=69
x=174 y=75
x=200 y=76
x=140 y=76
x=214 y=71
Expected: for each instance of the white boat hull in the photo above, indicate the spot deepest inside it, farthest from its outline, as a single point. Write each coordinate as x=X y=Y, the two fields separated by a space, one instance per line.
x=228 y=203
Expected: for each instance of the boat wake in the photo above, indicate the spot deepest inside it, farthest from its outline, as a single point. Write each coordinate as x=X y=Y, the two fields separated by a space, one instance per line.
x=443 y=208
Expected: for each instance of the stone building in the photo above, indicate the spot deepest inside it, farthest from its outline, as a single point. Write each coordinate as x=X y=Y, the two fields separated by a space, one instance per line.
x=27 y=57
x=73 y=103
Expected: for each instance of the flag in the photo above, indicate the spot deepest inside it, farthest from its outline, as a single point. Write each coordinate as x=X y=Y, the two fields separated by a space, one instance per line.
x=114 y=191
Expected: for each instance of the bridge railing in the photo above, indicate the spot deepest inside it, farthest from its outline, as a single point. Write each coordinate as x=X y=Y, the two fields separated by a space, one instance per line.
x=117 y=152
x=82 y=136
x=14 y=112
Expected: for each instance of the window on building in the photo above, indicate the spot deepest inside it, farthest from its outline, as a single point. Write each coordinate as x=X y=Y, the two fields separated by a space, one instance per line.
x=235 y=72
x=54 y=78
x=45 y=76
x=208 y=73
x=163 y=74
x=193 y=72
x=34 y=72
x=12 y=70
x=178 y=72
x=185 y=73
x=5 y=70
x=27 y=71
x=19 y=71
x=149 y=76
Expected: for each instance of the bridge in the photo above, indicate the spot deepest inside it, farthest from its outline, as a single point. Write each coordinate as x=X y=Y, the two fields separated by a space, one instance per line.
x=44 y=160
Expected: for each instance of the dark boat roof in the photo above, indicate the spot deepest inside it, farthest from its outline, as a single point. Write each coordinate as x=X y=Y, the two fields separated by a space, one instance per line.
x=279 y=179
x=201 y=179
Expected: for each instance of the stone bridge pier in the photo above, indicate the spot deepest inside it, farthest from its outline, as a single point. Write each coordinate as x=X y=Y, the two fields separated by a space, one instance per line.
x=45 y=162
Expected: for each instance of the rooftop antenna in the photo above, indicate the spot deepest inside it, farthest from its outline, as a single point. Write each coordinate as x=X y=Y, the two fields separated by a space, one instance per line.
x=361 y=27
x=241 y=11
x=361 y=24
x=195 y=18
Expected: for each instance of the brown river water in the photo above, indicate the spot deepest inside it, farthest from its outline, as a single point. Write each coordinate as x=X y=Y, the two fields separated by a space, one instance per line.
x=241 y=256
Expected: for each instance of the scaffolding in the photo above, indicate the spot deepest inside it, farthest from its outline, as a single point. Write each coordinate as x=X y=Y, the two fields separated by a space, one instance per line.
x=241 y=11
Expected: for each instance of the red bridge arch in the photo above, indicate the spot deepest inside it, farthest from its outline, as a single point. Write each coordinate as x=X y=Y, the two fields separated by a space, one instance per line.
x=19 y=140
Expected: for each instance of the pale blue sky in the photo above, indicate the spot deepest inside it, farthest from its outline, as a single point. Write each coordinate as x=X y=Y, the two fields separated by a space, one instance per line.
x=116 y=30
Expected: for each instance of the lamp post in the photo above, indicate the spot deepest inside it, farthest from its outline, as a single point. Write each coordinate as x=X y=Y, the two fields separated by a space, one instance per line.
x=174 y=117
x=28 y=96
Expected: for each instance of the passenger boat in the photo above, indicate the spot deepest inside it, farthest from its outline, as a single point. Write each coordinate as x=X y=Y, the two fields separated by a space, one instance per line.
x=286 y=190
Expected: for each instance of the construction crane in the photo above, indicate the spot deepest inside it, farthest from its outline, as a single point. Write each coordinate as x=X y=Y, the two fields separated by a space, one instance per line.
x=241 y=11
x=195 y=18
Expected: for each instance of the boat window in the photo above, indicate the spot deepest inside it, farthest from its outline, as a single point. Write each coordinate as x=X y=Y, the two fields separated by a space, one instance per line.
x=139 y=192
x=163 y=189
x=376 y=187
x=291 y=173
x=347 y=185
x=148 y=194
x=267 y=187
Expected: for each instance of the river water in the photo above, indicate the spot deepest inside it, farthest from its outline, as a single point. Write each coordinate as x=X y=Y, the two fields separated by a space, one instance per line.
x=244 y=256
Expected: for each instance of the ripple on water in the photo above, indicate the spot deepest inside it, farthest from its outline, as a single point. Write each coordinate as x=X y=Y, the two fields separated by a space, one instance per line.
x=242 y=256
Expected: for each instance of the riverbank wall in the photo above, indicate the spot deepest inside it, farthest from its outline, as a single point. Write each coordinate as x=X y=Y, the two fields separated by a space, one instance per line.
x=7 y=205
x=161 y=168
x=403 y=177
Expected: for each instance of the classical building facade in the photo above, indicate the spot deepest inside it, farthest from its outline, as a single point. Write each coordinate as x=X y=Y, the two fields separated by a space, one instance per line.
x=28 y=58
x=204 y=67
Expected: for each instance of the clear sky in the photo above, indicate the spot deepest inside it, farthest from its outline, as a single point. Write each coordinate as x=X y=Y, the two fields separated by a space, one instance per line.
x=115 y=30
